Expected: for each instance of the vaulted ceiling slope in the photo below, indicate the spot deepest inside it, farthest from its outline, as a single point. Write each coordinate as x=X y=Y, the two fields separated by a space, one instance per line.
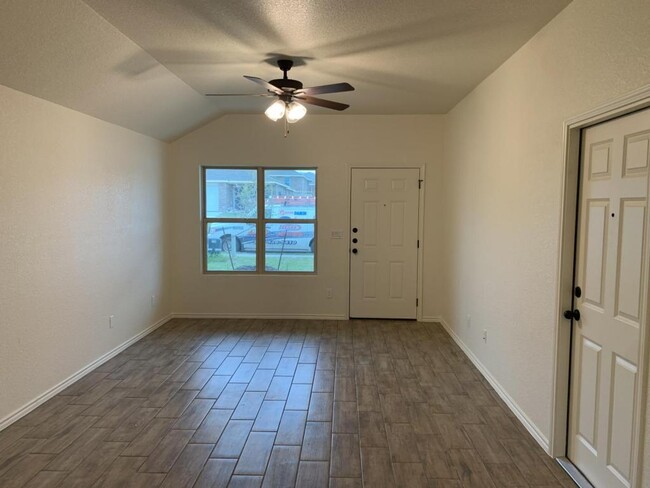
x=145 y=64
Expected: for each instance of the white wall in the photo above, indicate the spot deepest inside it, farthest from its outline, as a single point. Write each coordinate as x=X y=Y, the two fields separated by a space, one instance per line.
x=81 y=238
x=502 y=177
x=333 y=144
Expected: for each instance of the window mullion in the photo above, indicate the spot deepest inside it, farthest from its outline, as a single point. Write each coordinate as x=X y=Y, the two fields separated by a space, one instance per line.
x=261 y=230
x=290 y=221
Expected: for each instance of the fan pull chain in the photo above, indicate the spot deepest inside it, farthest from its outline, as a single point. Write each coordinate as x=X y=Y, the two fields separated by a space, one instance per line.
x=286 y=128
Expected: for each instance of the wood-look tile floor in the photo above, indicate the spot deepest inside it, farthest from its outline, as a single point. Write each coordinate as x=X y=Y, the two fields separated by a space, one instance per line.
x=278 y=403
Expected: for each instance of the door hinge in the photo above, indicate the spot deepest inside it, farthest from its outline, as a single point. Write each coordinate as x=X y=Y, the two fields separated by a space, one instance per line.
x=417 y=302
x=418 y=243
x=420 y=183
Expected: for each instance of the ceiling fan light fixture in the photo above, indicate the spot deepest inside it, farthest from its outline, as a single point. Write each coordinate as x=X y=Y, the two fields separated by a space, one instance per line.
x=276 y=111
x=295 y=112
x=287 y=91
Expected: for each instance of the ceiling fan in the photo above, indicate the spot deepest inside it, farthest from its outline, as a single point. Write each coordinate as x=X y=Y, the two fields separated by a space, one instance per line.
x=289 y=93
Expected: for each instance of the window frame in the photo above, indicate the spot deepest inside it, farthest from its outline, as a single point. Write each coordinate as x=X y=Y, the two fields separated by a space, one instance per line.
x=260 y=222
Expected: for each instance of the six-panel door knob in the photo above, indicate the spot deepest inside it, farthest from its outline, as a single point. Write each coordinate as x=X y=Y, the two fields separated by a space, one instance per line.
x=572 y=314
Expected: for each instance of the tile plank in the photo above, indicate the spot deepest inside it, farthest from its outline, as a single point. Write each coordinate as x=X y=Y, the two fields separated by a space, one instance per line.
x=194 y=414
x=377 y=467
x=269 y=416
x=216 y=472
x=256 y=453
x=313 y=474
x=470 y=469
x=283 y=467
x=188 y=466
x=232 y=440
x=292 y=428
x=163 y=457
x=316 y=443
x=94 y=465
x=320 y=407
x=298 y=398
x=212 y=427
x=345 y=462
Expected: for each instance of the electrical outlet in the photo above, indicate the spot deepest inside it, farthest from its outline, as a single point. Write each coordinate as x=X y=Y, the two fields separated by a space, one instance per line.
x=329 y=293
x=485 y=335
x=110 y=321
x=469 y=320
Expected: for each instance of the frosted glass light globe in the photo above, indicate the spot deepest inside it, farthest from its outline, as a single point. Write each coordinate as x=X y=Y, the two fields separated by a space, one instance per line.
x=295 y=112
x=276 y=111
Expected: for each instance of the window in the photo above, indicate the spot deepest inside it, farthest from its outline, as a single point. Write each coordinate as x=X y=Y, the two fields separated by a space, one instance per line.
x=240 y=204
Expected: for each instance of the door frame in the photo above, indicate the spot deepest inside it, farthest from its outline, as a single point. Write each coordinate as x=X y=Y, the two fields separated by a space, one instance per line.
x=632 y=102
x=421 y=197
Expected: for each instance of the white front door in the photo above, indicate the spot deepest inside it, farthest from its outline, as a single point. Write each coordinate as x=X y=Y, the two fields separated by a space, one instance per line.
x=603 y=427
x=384 y=242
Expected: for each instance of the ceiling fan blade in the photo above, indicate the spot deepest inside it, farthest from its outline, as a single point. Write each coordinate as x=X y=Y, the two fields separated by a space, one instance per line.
x=239 y=95
x=319 y=90
x=265 y=84
x=322 y=103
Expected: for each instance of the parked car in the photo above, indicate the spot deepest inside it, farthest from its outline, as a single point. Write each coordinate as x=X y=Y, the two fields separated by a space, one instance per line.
x=282 y=237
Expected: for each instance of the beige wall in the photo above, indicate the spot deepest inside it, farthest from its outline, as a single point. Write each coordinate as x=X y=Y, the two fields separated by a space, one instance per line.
x=333 y=144
x=502 y=177
x=81 y=238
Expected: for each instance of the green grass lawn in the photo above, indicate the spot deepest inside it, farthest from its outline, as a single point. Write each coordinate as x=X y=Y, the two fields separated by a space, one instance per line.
x=245 y=261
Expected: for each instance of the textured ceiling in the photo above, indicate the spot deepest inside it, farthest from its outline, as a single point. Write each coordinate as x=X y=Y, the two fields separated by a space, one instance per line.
x=144 y=64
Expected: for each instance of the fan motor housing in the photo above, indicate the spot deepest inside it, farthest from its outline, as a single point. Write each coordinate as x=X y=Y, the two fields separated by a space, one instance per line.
x=286 y=84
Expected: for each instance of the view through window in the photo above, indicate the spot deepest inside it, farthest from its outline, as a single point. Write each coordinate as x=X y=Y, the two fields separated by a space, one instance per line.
x=236 y=211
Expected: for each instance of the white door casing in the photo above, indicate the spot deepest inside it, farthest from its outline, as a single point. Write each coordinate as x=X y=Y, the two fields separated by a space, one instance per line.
x=611 y=255
x=384 y=206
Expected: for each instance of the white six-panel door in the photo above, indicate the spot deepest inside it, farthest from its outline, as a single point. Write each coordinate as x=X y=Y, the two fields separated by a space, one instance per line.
x=384 y=222
x=609 y=271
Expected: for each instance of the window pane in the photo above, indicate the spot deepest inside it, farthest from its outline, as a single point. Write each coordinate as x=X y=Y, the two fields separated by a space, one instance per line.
x=290 y=247
x=231 y=193
x=231 y=246
x=290 y=193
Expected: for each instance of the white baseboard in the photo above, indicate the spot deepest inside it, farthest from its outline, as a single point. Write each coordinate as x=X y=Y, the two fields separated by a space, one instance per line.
x=229 y=315
x=512 y=405
x=432 y=318
x=24 y=410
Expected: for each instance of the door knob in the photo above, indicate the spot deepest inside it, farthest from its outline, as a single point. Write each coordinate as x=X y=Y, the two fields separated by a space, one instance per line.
x=354 y=251
x=572 y=314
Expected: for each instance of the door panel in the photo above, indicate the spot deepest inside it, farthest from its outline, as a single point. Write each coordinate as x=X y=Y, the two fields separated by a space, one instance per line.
x=621 y=416
x=369 y=280
x=628 y=289
x=610 y=267
x=383 y=272
x=595 y=259
x=397 y=218
x=396 y=281
x=370 y=217
x=589 y=385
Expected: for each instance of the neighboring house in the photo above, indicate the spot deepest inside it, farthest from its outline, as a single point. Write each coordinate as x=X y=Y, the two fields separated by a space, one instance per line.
x=226 y=189
x=290 y=182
